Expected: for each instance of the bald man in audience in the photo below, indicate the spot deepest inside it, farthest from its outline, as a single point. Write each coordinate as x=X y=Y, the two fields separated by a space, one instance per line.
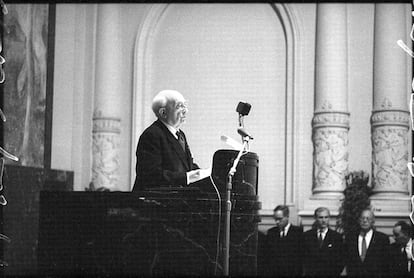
x=163 y=154
x=323 y=248
x=367 y=251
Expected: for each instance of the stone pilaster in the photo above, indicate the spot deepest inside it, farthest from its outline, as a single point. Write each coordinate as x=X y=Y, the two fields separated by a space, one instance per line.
x=390 y=117
x=330 y=123
x=106 y=119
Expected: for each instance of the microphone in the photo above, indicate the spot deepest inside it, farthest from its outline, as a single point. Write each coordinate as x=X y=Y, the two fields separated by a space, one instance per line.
x=244 y=133
x=243 y=108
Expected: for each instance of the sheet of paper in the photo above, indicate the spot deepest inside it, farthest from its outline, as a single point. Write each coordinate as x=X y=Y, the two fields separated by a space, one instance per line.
x=231 y=142
x=204 y=173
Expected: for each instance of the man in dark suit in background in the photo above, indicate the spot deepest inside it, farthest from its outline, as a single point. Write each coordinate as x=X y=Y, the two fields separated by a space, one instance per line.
x=322 y=247
x=368 y=251
x=401 y=250
x=283 y=242
x=163 y=155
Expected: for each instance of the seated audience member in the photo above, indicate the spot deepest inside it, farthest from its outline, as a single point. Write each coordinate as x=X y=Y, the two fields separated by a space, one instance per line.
x=283 y=256
x=367 y=251
x=322 y=247
x=401 y=250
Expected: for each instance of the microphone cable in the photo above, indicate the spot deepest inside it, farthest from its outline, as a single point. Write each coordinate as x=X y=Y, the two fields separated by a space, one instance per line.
x=219 y=224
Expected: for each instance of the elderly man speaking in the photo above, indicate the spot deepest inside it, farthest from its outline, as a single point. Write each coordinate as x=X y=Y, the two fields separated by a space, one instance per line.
x=163 y=155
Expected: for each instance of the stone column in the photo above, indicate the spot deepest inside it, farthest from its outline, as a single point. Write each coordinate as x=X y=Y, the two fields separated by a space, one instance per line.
x=390 y=115
x=330 y=124
x=106 y=119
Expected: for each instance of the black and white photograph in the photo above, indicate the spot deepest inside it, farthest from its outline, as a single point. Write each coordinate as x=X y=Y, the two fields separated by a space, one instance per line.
x=206 y=139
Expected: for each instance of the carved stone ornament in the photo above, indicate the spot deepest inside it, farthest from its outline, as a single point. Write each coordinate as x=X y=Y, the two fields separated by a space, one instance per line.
x=389 y=161
x=330 y=159
x=386 y=103
x=330 y=119
x=106 y=124
x=326 y=106
x=105 y=147
x=390 y=117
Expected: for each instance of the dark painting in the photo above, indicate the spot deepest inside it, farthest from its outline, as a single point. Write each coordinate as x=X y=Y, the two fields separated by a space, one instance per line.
x=25 y=48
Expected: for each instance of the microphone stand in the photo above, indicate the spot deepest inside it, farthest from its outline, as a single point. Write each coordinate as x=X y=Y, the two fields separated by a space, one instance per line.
x=228 y=206
x=241 y=120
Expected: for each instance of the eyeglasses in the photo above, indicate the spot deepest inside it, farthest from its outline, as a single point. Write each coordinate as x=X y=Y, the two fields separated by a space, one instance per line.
x=181 y=105
x=365 y=218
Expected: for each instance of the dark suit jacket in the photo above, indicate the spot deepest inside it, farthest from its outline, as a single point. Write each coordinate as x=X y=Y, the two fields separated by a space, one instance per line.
x=398 y=261
x=326 y=260
x=160 y=159
x=283 y=255
x=376 y=262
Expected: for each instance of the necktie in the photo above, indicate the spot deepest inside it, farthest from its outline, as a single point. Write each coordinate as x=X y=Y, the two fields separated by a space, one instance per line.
x=363 y=248
x=181 y=140
x=320 y=239
x=282 y=234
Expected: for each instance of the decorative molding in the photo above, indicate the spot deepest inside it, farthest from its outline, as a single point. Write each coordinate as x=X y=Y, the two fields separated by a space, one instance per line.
x=389 y=159
x=326 y=106
x=105 y=164
x=386 y=103
x=105 y=151
x=291 y=28
x=390 y=118
x=330 y=159
x=106 y=124
x=331 y=119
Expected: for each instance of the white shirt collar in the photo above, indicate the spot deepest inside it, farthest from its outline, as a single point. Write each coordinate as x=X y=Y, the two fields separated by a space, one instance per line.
x=286 y=229
x=323 y=232
x=408 y=249
x=172 y=129
x=368 y=237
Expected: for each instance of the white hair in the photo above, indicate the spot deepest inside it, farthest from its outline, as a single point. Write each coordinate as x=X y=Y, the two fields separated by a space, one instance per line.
x=163 y=98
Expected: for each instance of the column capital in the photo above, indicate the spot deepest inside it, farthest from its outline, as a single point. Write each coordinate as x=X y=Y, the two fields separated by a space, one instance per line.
x=106 y=124
x=393 y=117
x=331 y=119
